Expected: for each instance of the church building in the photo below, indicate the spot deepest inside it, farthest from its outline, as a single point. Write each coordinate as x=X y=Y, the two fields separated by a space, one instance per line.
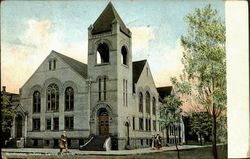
x=110 y=96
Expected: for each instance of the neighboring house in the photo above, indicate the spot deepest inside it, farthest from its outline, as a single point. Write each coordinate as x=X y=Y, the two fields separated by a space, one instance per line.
x=109 y=96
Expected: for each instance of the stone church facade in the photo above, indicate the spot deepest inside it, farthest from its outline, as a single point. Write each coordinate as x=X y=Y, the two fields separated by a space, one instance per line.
x=109 y=96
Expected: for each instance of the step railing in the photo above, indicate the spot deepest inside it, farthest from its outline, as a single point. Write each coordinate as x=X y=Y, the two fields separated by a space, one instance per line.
x=87 y=142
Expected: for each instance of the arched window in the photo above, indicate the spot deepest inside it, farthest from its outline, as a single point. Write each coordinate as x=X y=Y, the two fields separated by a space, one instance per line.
x=52 y=64
x=148 y=102
x=124 y=58
x=36 y=102
x=69 y=98
x=102 y=53
x=52 y=97
x=154 y=105
x=140 y=102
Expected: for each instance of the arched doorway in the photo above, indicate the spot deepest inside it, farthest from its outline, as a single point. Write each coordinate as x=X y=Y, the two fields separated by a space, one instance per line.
x=103 y=122
x=19 y=126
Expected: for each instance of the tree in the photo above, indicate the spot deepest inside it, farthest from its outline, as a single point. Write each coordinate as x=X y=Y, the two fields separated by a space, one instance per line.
x=7 y=114
x=204 y=61
x=201 y=124
x=171 y=114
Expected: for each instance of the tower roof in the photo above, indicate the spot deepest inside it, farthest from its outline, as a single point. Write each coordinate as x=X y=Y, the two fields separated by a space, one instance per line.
x=105 y=20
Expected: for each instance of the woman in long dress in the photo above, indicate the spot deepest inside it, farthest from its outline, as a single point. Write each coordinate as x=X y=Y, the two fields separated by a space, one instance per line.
x=153 y=142
x=63 y=143
x=158 y=141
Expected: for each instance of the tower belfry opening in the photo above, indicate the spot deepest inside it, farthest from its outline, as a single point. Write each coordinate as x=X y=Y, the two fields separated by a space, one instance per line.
x=102 y=53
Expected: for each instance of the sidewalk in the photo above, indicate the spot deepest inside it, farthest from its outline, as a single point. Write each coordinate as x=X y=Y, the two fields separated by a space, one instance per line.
x=44 y=151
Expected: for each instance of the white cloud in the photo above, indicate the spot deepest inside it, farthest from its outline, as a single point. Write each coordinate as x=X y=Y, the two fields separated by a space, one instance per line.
x=166 y=64
x=141 y=37
x=78 y=51
x=39 y=34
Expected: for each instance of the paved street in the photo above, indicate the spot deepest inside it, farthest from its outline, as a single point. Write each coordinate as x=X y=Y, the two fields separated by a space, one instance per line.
x=43 y=151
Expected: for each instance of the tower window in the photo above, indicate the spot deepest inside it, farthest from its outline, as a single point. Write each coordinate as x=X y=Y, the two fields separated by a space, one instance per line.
x=124 y=57
x=125 y=92
x=102 y=54
x=100 y=89
x=102 y=85
x=104 y=88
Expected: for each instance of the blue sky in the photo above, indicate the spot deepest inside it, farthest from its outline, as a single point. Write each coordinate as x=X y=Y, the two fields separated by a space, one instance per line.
x=31 y=29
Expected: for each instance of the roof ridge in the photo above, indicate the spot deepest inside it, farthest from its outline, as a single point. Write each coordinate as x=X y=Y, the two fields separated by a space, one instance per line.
x=68 y=57
x=76 y=65
x=140 y=60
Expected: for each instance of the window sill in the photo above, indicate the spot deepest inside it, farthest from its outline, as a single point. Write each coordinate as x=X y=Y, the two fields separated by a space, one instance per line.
x=35 y=130
x=102 y=64
x=52 y=111
x=70 y=110
x=124 y=65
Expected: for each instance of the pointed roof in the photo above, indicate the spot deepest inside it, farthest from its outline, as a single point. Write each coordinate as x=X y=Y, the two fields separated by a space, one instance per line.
x=78 y=66
x=137 y=69
x=105 y=20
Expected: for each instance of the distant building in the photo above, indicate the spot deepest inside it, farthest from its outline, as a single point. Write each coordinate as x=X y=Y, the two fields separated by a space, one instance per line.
x=109 y=96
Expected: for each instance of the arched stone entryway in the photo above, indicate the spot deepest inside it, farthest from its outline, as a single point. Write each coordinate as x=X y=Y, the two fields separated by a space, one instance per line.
x=101 y=120
x=19 y=126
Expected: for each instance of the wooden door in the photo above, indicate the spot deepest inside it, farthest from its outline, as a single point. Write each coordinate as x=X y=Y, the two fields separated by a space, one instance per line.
x=103 y=125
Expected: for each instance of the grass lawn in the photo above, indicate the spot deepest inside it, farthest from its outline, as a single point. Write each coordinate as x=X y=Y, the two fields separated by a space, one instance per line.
x=201 y=153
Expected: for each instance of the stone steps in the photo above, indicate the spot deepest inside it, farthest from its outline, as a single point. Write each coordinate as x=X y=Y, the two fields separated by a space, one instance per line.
x=96 y=144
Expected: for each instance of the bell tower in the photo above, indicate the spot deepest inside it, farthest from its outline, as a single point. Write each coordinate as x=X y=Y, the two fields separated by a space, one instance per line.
x=110 y=68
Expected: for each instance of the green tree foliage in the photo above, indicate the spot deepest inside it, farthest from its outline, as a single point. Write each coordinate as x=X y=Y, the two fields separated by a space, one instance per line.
x=171 y=113
x=204 y=61
x=7 y=114
x=201 y=124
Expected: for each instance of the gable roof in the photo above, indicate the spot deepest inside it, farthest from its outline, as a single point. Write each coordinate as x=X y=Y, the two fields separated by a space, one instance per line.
x=164 y=91
x=105 y=20
x=78 y=66
x=137 y=69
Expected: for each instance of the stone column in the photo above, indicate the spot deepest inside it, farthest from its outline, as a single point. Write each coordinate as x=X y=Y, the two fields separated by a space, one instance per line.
x=25 y=127
x=13 y=135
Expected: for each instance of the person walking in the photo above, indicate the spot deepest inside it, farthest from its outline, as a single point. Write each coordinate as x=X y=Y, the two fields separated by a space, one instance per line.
x=158 y=141
x=63 y=143
x=153 y=142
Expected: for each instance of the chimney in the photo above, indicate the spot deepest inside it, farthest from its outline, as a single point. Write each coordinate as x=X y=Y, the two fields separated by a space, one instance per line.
x=4 y=89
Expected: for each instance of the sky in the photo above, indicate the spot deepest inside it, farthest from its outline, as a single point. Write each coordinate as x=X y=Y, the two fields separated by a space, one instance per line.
x=31 y=29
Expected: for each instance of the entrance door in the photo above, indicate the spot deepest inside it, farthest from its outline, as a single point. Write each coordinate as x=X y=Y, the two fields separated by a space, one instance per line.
x=19 y=126
x=103 y=124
